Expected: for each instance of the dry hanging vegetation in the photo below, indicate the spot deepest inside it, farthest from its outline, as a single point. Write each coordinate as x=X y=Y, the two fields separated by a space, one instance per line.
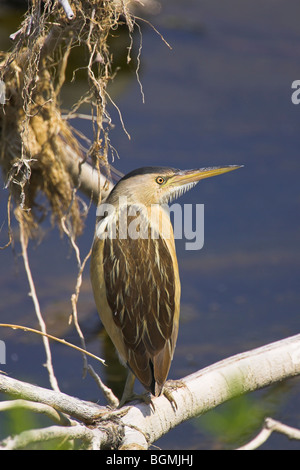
x=43 y=166
x=38 y=145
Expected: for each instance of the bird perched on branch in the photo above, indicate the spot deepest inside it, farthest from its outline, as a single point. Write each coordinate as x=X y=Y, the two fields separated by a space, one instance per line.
x=134 y=270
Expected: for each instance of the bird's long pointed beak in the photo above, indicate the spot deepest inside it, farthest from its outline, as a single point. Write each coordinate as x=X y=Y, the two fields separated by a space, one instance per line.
x=193 y=176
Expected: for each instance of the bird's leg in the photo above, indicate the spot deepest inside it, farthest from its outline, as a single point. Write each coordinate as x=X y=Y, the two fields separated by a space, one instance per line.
x=128 y=389
x=129 y=395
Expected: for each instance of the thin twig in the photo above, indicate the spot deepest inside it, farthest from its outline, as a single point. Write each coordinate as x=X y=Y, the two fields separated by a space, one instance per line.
x=109 y=395
x=72 y=115
x=271 y=425
x=54 y=338
x=10 y=237
x=139 y=63
x=63 y=66
x=36 y=304
x=120 y=114
x=75 y=295
x=157 y=32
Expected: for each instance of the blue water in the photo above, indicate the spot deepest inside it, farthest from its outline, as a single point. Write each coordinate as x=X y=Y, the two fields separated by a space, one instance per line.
x=222 y=95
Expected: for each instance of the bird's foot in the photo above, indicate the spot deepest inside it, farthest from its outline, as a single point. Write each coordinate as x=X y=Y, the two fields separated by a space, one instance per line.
x=143 y=397
x=169 y=387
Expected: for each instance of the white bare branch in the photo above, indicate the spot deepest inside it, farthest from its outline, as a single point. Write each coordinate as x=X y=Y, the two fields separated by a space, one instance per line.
x=202 y=391
x=271 y=425
x=62 y=433
x=216 y=384
x=88 y=178
x=74 y=407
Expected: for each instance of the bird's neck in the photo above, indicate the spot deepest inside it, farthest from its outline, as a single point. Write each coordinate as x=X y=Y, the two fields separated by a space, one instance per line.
x=134 y=218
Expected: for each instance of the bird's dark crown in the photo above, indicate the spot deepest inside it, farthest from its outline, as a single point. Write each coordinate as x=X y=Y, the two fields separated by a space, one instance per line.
x=161 y=170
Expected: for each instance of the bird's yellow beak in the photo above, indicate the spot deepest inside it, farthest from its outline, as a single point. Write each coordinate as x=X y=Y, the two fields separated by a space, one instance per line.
x=193 y=176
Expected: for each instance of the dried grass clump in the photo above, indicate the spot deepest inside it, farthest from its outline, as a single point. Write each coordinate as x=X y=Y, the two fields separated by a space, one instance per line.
x=34 y=136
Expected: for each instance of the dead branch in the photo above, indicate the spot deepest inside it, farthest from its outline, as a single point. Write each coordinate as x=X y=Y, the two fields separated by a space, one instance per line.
x=85 y=412
x=92 y=438
x=271 y=425
x=138 y=425
x=39 y=150
x=54 y=338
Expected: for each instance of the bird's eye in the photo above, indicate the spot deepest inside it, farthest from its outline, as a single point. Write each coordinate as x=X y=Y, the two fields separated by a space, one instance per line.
x=160 y=180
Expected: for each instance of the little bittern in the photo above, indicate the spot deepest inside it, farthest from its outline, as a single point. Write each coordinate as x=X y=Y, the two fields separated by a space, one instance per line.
x=134 y=270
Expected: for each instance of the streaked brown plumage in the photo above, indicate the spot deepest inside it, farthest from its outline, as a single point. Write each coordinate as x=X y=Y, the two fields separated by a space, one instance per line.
x=135 y=274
